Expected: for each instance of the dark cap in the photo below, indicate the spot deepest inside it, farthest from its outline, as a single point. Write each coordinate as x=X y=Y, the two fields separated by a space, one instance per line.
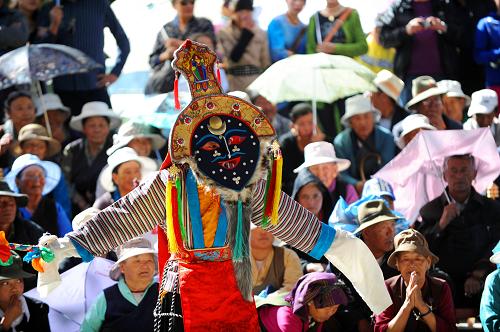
x=21 y=199
x=14 y=270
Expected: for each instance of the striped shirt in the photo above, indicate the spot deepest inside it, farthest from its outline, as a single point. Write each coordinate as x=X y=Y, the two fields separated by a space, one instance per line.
x=144 y=208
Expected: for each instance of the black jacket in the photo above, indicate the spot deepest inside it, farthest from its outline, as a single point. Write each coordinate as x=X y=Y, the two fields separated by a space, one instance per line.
x=393 y=34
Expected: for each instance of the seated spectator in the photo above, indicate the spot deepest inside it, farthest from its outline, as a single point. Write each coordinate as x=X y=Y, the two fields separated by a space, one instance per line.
x=376 y=229
x=490 y=300
x=367 y=145
x=321 y=161
x=35 y=178
x=84 y=158
x=467 y=227
x=274 y=269
x=410 y=127
x=19 y=313
x=140 y=137
x=326 y=35
x=33 y=139
x=244 y=45
x=315 y=298
x=385 y=99
x=420 y=302
x=454 y=100
x=294 y=143
x=57 y=114
x=286 y=33
x=169 y=38
x=123 y=172
x=427 y=101
x=280 y=123
x=128 y=305
x=482 y=113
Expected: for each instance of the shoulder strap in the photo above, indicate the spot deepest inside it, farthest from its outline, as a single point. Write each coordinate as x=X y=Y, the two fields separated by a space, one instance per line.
x=298 y=38
x=338 y=24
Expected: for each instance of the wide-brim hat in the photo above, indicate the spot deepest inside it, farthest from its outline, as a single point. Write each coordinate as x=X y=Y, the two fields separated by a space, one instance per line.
x=359 y=104
x=411 y=123
x=93 y=109
x=119 y=157
x=132 y=129
x=51 y=102
x=412 y=241
x=136 y=246
x=389 y=84
x=373 y=212
x=36 y=131
x=423 y=88
x=483 y=102
x=321 y=153
x=454 y=89
x=52 y=172
x=14 y=270
x=21 y=199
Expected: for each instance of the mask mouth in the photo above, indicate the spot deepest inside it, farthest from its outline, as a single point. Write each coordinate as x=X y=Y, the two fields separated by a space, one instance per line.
x=230 y=164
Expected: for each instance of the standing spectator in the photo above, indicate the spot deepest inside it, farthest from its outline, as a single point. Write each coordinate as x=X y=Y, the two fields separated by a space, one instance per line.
x=427 y=100
x=490 y=300
x=386 y=99
x=321 y=161
x=14 y=31
x=274 y=269
x=378 y=57
x=454 y=100
x=426 y=35
x=57 y=114
x=484 y=106
x=129 y=304
x=294 y=143
x=84 y=158
x=367 y=145
x=244 y=45
x=36 y=179
x=30 y=9
x=314 y=300
x=467 y=227
x=19 y=313
x=169 y=38
x=336 y=30
x=487 y=50
x=82 y=27
x=420 y=302
x=286 y=33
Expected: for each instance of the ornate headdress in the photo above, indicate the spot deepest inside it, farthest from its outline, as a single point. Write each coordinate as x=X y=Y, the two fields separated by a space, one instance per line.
x=228 y=144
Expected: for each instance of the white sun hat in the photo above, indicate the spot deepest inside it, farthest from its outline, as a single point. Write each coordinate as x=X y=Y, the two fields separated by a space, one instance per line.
x=389 y=84
x=119 y=157
x=133 y=129
x=135 y=247
x=483 y=102
x=359 y=104
x=321 y=153
x=51 y=101
x=454 y=89
x=51 y=170
x=410 y=123
x=95 y=108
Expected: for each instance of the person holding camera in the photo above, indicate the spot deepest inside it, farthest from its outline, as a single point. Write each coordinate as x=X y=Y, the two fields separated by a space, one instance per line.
x=427 y=37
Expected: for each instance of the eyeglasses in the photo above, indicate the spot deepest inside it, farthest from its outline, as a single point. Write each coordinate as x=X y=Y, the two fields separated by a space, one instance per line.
x=10 y=283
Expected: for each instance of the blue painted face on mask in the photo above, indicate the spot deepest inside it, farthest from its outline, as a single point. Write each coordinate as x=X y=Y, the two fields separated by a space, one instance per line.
x=226 y=150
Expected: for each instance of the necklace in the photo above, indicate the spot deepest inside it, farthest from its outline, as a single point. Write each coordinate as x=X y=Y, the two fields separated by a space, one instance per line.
x=331 y=13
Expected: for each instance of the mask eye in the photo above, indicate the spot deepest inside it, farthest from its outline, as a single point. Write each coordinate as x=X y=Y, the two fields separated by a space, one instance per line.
x=236 y=140
x=210 y=146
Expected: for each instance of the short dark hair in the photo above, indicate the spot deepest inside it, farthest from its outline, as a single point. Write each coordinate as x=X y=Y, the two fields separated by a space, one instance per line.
x=15 y=95
x=461 y=157
x=300 y=110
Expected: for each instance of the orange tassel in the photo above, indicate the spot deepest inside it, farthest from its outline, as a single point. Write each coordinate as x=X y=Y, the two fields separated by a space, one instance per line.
x=176 y=92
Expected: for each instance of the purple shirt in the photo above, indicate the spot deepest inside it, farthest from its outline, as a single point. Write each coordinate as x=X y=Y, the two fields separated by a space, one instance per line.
x=425 y=58
x=351 y=194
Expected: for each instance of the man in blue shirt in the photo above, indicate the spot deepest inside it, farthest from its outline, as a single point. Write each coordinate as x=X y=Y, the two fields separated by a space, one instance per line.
x=82 y=27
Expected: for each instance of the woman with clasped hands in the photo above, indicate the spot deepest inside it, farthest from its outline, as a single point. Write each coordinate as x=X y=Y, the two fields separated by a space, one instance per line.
x=420 y=302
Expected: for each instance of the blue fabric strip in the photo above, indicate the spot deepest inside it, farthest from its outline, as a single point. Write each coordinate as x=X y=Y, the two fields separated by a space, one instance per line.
x=84 y=253
x=194 y=211
x=116 y=195
x=220 y=234
x=324 y=242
